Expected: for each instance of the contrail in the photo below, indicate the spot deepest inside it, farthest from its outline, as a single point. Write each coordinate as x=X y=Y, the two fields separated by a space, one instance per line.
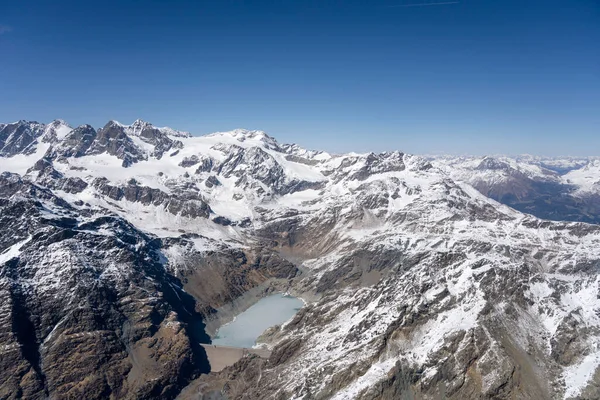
x=425 y=4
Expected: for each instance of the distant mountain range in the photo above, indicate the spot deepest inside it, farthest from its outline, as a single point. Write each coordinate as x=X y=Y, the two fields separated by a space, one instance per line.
x=560 y=189
x=124 y=247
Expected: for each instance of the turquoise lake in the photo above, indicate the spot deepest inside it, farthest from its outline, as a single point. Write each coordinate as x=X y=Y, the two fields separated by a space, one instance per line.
x=249 y=325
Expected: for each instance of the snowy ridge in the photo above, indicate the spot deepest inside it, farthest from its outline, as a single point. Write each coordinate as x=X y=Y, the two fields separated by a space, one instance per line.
x=138 y=126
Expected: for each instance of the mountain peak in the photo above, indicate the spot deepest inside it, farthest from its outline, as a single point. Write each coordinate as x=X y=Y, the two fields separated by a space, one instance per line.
x=113 y=122
x=138 y=127
x=491 y=163
x=56 y=130
x=58 y=122
x=140 y=123
x=246 y=135
x=25 y=122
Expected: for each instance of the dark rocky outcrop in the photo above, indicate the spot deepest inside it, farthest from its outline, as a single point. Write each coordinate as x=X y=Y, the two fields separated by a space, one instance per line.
x=19 y=137
x=187 y=204
x=112 y=139
x=75 y=144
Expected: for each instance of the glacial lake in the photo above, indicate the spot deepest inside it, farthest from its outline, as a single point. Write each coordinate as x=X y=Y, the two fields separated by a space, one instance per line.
x=249 y=325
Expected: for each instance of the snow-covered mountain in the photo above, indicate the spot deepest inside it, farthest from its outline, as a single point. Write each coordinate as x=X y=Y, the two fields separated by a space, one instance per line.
x=562 y=188
x=586 y=179
x=125 y=241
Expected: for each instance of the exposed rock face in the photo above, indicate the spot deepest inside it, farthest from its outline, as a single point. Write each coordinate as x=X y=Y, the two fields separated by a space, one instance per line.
x=81 y=316
x=125 y=242
x=187 y=204
x=51 y=178
x=113 y=140
x=75 y=144
x=19 y=137
x=55 y=131
x=217 y=278
x=157 y=137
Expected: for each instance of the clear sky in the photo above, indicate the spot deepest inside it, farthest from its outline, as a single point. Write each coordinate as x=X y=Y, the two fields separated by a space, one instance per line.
x=465 y=76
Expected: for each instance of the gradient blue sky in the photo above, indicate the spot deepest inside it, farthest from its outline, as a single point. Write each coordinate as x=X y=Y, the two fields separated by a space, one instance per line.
x=476 y=76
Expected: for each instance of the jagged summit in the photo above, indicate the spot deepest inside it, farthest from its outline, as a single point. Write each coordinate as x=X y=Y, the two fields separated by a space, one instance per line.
x=140 y=121
x=19 y=137
x=59 y=122
x=113 y=122
x=493 y=164
x=139 y=127
x=56 y=131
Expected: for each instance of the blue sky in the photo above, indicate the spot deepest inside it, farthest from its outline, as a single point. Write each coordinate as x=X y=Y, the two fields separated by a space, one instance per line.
x=474 y=76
